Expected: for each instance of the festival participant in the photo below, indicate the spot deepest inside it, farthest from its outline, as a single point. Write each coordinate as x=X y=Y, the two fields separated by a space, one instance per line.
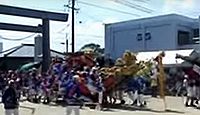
x=45 y=86
x=66 y=84
x=154 y=80
x=73 y=102
x=188 y=89
x=18 y=83
x=39 y=87
x=131 y=91
x=142 y=85
x=9 y=75
x=10 y=100
x=100 y=89
x=31 y=86
x=191 y=89
x=2 y=82
x=197 y=90
x=135 y=90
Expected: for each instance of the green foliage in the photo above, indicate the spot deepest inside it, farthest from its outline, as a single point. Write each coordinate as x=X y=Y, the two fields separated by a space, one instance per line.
x=93 y=48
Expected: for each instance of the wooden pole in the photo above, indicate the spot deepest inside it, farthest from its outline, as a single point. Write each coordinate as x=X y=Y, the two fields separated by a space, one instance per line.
x=162 y=78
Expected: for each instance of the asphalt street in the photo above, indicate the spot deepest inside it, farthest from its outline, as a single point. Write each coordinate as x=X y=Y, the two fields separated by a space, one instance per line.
x=155 y=106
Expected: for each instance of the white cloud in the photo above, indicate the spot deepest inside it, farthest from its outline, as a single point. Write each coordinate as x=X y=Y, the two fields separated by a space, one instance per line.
x=179 y=6
x=110 y=20
x=89 y=27
x=89 y=31
x=14 y=35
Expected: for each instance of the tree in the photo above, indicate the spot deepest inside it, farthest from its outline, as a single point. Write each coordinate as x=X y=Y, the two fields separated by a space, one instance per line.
x=92 y=48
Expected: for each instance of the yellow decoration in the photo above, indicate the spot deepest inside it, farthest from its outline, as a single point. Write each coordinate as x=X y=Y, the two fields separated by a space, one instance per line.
x=127 y=66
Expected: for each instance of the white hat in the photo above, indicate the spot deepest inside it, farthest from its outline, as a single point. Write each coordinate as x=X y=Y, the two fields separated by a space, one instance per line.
x=185 y=76
x=76 y=76
x=94 y=68
x=18 y=79
x=11 y=81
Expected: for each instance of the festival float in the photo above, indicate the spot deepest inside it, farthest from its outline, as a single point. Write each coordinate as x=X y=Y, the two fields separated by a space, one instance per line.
x=114 y=78
x=125 y=68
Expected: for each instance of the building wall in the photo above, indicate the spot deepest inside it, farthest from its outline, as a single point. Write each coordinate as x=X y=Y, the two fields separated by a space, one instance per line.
x=163 y=30
x=162 y=37
x=119 y=40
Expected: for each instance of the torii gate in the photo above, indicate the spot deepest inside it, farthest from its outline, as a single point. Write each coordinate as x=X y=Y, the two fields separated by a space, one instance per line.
x=44 y=28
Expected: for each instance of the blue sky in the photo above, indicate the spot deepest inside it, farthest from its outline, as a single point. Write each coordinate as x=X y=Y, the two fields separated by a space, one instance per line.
x=91 y=28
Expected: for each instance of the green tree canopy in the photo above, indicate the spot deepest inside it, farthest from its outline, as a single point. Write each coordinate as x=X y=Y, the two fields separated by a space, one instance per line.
x=92 y=48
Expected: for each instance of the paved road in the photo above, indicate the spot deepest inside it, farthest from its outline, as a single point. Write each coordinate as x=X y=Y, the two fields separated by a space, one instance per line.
x=155 y=107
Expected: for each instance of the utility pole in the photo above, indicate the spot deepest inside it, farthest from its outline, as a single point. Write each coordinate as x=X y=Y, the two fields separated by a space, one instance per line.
x=73 y=21
x=73 y=31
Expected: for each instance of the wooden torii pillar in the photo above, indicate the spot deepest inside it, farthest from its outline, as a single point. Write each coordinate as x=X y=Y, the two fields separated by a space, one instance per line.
x=44 y=28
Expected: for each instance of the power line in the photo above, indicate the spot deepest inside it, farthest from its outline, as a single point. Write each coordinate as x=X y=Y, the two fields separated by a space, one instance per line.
x=138 y=6
x=63 y=29
x=107 y=8
x=90 y=35
x=144 y=1
x=89 y=16
x=92 y=17
x=18 y=39
x=132 y=5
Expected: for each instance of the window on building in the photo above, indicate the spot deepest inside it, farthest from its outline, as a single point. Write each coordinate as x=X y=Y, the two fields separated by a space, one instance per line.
x=195 y=38
x=139 y=37
x=147 y=36
x=195 y=33
x=183 y=38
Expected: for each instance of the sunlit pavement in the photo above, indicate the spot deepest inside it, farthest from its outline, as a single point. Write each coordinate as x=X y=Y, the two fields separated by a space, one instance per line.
x=154 y=107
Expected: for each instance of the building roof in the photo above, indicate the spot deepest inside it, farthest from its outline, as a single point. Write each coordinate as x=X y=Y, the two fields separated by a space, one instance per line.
x=27 y=50
x=168 y=17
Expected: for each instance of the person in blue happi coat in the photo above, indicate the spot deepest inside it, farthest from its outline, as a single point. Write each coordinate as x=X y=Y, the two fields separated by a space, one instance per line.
x=72 y=96
x=135 y=88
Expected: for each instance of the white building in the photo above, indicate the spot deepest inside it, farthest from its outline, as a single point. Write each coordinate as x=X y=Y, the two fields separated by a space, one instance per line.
x=168 y=32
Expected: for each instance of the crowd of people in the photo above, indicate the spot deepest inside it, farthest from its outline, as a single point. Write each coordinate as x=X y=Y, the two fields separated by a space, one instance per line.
x=185 y=82
x=78 y=84
x=62 y=82
x=72 y=85
x=191 y=83
x=56 y=82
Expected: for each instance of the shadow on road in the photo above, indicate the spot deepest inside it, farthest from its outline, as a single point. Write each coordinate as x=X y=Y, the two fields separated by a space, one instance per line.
x=166 y=111
x=110 y=107
x=134 y=108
